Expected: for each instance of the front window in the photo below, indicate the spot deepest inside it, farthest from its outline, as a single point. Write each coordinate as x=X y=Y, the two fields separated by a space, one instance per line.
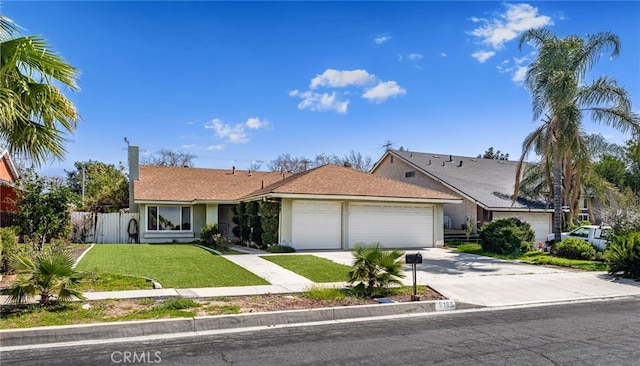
x=174 y=218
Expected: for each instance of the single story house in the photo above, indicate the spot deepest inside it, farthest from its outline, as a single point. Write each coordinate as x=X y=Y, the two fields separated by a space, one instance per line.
x=486 y=186
x=329 y=207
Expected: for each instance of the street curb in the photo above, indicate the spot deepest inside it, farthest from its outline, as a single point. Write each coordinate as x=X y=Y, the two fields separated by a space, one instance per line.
x=100 y=331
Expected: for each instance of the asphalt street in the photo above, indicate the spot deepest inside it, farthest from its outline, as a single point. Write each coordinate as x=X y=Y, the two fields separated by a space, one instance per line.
x=602 y=332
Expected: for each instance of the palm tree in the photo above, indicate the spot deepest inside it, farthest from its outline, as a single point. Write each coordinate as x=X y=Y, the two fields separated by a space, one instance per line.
x=34 y=114
x=48 y=274
x=560 y=93
x=374 y=267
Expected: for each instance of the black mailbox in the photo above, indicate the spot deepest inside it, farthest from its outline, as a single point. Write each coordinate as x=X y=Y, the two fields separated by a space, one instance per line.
x=413 y=258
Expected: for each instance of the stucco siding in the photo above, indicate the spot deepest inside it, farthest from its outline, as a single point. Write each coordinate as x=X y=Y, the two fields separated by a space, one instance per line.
x=285 y=225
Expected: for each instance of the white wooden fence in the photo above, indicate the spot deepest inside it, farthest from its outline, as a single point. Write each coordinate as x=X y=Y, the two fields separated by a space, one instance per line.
x=100 y=228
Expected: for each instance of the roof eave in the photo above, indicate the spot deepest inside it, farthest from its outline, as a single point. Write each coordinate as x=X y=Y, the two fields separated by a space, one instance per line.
x=354 y=198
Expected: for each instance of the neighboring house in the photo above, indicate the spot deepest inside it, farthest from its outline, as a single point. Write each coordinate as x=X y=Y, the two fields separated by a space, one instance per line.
x=486 y=185
x=9 y=186
x=329 y=207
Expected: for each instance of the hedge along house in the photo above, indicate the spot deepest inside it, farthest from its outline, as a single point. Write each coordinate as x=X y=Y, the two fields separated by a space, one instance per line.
x=329 y=207
x=486 y=186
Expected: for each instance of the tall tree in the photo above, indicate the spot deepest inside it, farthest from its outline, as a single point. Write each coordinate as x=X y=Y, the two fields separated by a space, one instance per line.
x=99 y=187
x=167 y=157
x=34 y=113
x=560 y=93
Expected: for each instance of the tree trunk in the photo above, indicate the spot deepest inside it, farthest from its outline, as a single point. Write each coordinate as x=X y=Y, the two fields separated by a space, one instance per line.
x=557 y=194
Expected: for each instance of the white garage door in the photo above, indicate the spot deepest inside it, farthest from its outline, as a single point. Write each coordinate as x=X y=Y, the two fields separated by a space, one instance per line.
x=316 y=224
x=540 y=222
x=393 y=225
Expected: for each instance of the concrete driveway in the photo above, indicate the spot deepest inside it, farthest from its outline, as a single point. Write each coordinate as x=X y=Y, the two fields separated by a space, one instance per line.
x=494 y=282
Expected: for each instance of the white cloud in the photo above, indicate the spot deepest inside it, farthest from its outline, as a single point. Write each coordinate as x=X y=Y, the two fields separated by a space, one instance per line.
x=383 y=91
x=483 y=56
x=442 y=54
x=216 y=147
x=414 y=56
x=342 y=78
x=255 y=123
x=320 y=102
x=381 y=39
x=234 y=134
x=350 y=82
x=519 y=74
x=518 y=71
x=517 y=19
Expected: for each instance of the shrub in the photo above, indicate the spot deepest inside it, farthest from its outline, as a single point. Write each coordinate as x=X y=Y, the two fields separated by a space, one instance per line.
x=572 y=248
x=8 y=248
x=221 y=242
x=623 y=255
x=269 y=220
x=507 y=236
x=207 y=234
x=49 y=274
x=373 y=267
x=278 y=248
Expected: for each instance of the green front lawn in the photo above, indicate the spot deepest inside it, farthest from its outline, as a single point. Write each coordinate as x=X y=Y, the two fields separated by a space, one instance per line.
x=535 y=257
x=314 y=268
x=173 y=266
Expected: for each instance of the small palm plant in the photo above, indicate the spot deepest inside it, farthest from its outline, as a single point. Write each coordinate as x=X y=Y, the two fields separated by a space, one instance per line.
x=49 y=274
x=623 y=256
x=373 y=267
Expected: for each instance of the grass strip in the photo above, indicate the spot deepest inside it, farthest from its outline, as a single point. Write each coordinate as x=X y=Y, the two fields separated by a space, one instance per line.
x=314 y=268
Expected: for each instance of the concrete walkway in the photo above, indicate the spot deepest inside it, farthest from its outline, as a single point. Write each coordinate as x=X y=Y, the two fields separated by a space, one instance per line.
x=461 y=277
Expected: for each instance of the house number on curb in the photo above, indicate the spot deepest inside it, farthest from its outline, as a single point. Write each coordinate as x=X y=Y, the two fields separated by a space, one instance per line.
x=443 y=305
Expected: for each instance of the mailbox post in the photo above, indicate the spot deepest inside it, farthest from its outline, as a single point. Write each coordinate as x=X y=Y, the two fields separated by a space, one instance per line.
x=414 y=259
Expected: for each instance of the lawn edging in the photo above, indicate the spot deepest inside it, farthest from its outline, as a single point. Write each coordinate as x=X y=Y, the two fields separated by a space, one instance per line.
x=82 y=255
x=28 y=337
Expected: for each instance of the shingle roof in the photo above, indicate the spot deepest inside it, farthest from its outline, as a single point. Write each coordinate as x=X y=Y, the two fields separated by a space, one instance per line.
x=189 y=184
x=488 y=181
x=339 y=181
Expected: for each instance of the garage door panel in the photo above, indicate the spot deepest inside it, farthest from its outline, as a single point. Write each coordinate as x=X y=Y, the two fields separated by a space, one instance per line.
x=316 y=224
x=391 y=225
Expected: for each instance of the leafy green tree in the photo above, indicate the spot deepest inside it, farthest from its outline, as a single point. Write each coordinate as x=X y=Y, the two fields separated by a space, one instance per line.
x=44 y=210
x=34 y=113
x=562 y=96
x=99 y=187
x=612 y=169
x=48 y=274
x=373 y=267
x=490 y=154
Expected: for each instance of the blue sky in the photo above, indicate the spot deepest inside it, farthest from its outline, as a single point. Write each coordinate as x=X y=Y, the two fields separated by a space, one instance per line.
x=240 y=82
